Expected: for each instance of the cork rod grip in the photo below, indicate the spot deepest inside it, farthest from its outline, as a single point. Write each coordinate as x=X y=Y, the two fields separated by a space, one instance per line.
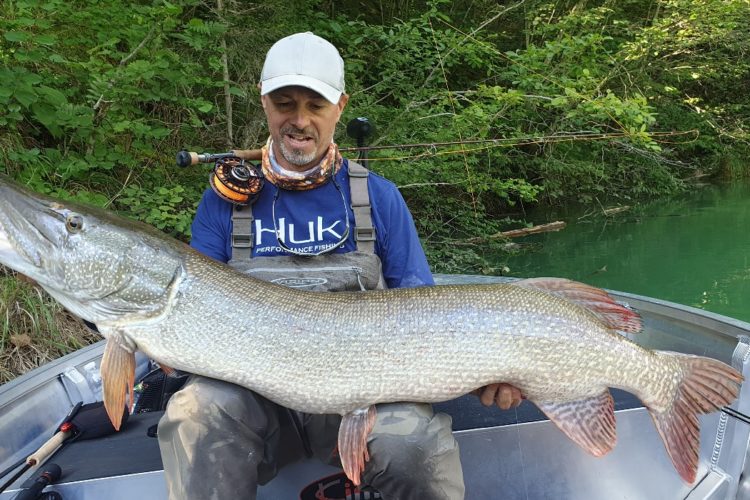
x=248 y=154
x=47 y=448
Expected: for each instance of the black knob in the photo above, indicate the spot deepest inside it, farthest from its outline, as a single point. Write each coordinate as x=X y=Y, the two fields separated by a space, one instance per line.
x=184 y=159
x=359 y=128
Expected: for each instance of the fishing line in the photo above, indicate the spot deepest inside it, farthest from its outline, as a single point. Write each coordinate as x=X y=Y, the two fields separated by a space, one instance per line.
x=520 y=451
x=453 y=107
x=541 y=76
x=735 y=414
x=501 y=142
x=491 y=48
x=330 y=249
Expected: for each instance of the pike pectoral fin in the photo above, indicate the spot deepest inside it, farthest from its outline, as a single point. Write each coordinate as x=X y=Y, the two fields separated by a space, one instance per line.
x=706 y=386
x=589 y=422
x=118 y=377
x=355 y=427
x=616 y=316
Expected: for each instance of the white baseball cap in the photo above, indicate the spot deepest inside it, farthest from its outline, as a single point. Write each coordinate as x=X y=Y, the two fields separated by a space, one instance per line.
x=306 y=60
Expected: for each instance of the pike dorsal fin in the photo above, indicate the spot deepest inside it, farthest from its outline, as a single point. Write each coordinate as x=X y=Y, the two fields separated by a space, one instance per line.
x=589 y=422
x=596 y=300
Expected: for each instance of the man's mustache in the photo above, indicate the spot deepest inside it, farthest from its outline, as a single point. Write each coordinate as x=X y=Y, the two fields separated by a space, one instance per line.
x=299 y=131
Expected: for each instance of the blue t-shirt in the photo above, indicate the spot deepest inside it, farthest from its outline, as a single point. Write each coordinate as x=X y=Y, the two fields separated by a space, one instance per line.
x=311 y=220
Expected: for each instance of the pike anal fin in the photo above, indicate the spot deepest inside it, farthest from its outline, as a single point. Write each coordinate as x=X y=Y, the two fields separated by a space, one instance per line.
x=355 y=427
x=589 y=422
x=118 y=378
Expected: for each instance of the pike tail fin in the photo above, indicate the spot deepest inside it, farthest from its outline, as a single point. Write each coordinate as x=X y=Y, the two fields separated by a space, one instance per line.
x=706 y=385
x=355 y=427
x=118 y=377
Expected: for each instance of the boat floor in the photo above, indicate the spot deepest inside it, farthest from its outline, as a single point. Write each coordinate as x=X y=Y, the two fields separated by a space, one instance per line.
x=135 y=450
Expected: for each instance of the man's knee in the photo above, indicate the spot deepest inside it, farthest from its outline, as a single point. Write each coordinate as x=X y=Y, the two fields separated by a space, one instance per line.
x=410 y=444
x=213 y=405
x=215 y=428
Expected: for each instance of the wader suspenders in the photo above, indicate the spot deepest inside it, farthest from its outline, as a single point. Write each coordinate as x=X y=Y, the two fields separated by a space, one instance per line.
x=364 y=231
x=242 y=233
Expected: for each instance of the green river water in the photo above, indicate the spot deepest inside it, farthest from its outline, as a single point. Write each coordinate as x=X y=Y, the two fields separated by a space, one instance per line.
x=693 y=249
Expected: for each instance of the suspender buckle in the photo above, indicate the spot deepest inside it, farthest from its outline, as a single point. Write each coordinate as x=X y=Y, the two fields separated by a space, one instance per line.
x=364 y=234
x=242 y=241
x=357 y=172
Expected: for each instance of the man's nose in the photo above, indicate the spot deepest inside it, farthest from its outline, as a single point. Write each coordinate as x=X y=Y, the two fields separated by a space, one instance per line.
x=300 y=118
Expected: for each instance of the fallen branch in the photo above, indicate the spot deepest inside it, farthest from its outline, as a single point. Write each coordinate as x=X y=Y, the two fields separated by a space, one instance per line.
x=515 y=233
x=615 y=210
x=542 y=228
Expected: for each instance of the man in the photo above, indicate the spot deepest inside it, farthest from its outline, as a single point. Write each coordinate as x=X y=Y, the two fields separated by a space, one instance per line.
x=320 y=222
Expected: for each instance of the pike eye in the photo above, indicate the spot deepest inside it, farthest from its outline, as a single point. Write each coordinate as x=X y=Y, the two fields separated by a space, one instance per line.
x=73 y=223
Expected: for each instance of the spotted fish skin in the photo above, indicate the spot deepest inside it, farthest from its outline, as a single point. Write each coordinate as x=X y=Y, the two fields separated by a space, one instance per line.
x=333 y=353
x=318 y=352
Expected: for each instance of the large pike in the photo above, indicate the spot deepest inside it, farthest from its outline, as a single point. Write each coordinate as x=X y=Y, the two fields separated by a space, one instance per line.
x=554 y=339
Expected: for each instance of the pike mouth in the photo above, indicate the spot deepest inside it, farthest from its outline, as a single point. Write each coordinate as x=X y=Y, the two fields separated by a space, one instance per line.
x=25 y=243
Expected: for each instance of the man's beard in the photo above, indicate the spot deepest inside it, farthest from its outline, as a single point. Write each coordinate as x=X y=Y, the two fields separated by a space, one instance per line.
x=297 y=156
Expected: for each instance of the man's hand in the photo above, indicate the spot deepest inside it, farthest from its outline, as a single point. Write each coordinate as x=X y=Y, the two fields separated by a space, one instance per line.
x=505 y=396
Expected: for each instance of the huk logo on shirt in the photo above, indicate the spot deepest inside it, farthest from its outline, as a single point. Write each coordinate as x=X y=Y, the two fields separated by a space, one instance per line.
x=314 y=236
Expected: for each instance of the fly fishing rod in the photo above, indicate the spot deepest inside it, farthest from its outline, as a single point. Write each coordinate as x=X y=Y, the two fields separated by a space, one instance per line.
x=64 y=431
x=235 y=177
x=83 y=421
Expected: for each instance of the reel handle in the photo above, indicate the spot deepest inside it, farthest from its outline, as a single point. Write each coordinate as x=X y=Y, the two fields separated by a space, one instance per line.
x=189 y=158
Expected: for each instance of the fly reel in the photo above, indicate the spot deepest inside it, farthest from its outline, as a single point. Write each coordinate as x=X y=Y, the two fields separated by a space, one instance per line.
x=233 y=178
x=236 y=181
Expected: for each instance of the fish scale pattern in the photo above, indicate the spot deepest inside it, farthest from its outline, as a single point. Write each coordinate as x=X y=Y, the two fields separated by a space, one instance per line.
x=332 y=353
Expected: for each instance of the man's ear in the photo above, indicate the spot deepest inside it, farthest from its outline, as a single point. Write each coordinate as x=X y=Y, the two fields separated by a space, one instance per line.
x=262 y=97
x=343 y=100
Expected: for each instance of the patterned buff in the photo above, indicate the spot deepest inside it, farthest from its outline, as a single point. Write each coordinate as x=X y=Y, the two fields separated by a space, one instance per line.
x=301 y=181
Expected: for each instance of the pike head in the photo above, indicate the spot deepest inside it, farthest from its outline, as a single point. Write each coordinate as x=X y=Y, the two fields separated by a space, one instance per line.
x=103 y=268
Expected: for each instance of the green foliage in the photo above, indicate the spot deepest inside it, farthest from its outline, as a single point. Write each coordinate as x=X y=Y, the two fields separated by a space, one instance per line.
x=96 y=98
x=170 y=209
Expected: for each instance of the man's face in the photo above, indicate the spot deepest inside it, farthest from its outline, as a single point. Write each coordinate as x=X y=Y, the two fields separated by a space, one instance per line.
x=301 y=123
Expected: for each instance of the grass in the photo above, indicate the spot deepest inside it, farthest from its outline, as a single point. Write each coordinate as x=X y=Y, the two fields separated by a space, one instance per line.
x=34 y=328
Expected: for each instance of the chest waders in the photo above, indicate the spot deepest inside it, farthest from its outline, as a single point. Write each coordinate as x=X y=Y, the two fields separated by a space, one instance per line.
x=352 y=271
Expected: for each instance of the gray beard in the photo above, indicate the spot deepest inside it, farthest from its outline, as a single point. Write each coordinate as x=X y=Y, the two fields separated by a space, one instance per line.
x=295 y=156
